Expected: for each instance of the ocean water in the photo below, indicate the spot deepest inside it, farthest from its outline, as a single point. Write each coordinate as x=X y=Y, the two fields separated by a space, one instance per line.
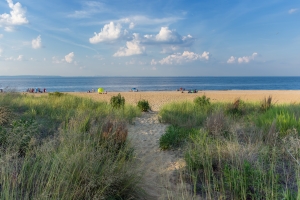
x=81 y=84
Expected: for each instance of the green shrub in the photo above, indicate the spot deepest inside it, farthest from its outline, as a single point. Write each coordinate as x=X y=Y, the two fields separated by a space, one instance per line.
x=175 y=136
x=202 y=101
x=117 y=101
x=143 y=105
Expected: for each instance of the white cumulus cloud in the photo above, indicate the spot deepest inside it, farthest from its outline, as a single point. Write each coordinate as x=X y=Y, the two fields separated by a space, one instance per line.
x=293 y=10
x=37 y=43
x=244 y=59
x=69 y=58
x=167 y=36
x=109 y=32
x=186 y=56
x=133 y=47
x=16 y=16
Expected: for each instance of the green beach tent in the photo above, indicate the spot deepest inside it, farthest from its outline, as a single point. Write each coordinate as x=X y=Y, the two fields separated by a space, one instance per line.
x=100 y=90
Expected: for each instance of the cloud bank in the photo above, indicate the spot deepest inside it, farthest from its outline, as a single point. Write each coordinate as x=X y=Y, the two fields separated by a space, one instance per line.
x=185 y=57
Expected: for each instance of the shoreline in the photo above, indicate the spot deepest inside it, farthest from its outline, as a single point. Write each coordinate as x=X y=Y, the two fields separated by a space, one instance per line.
x=157 y=99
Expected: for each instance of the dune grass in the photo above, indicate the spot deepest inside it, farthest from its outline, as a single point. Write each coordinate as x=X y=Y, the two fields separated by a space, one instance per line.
x=53 y=147
x=240 y=150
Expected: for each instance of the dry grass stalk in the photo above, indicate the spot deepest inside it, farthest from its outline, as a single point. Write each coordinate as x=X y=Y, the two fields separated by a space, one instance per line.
x=266 y=103
x=115 y=130
x=5 y=115
x=272 y=135
x=216 y=123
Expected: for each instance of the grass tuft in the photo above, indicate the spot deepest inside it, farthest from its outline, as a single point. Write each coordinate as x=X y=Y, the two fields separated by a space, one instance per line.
x=5 y=115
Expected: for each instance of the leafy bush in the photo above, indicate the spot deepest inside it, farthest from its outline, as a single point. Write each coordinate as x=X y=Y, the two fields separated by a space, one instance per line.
x=117 y=101
x=143 y=105
x=202 y=101
x=175 y=137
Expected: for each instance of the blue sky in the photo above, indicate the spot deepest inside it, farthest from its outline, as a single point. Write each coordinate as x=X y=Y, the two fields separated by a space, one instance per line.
x=150 y=38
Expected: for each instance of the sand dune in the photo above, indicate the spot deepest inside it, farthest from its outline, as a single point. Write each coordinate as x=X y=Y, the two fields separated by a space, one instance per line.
x=159 y=166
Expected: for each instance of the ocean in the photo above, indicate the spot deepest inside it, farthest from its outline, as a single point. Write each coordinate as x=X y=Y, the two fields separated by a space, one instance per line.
x=119 y=84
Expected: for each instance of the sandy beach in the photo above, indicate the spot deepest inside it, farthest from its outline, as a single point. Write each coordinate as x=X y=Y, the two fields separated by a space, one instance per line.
x=159 y=98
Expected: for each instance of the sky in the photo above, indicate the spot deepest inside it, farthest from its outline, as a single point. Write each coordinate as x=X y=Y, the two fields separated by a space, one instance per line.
x=150 y=38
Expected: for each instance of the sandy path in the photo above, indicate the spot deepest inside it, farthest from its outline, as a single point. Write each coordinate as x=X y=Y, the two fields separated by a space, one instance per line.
x=159 y=166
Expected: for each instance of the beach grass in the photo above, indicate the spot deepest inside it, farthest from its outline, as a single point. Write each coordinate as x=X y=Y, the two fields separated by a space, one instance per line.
x=240 y=150
x=53 y=147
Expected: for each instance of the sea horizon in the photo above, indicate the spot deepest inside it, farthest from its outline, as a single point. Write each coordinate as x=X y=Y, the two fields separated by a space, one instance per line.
x=149 y=83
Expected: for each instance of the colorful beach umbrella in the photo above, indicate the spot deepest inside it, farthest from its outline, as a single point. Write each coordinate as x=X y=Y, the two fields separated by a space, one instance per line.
x=100 y=90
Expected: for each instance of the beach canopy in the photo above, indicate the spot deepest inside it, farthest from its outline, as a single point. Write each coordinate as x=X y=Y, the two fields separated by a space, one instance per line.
x=134 y=89
x=100 y=90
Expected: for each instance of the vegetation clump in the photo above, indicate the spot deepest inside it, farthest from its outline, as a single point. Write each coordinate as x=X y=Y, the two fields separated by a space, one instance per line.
x=238 y=151
x=117 y=101
x=143 y=105
x=202 y=101
x=57 y=149
x=56 y=94
x=237 y=107
x=175 y=137
x=5 y=115
x=266 y=104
